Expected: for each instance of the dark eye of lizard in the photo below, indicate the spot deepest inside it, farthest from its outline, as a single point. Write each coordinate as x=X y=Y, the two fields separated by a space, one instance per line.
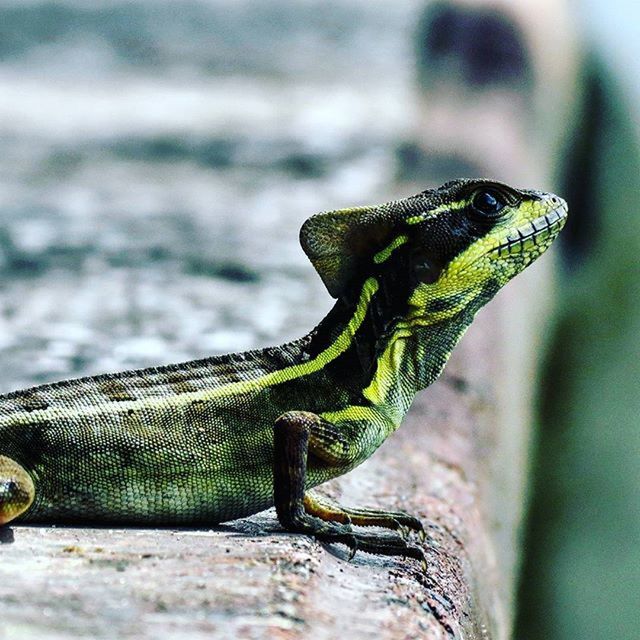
x=488 y=203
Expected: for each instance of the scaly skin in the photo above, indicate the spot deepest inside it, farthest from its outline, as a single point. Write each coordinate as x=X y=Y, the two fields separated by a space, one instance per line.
x=216 y=439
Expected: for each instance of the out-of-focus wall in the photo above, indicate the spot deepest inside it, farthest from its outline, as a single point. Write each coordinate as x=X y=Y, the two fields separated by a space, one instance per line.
x=582 y=573
x=524 y=91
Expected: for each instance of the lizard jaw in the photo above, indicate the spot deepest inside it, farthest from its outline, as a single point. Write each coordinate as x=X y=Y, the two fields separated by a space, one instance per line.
x=540 y=231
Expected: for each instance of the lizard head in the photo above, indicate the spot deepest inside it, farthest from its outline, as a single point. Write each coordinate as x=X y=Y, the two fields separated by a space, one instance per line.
x=445 y=247
x=478 y=236
x=16 y=490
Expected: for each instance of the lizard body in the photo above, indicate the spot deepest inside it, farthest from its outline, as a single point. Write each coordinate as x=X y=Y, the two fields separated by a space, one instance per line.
x=216 y=439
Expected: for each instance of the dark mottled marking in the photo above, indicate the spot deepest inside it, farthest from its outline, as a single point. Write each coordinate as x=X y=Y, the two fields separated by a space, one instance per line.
x=443 y=304
x=179 y=382
x=30 y=401
x=28 y=443
x=115 y=390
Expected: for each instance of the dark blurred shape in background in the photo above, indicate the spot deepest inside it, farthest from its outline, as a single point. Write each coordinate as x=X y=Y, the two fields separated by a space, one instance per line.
x=481 y=46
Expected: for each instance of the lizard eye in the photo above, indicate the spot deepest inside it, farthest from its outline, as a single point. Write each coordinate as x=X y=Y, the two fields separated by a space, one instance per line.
x=488 y=203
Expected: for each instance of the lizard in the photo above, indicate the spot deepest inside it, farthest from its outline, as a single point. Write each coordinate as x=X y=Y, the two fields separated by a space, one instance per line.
x=224 y=437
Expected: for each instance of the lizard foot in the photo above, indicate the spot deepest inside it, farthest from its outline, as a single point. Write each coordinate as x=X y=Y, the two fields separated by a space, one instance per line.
x=383 y=543
x=303 y=511
x=379 y=544
x=326 y=509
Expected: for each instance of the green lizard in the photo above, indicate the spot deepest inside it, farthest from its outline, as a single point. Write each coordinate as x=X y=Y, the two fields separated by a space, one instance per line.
x=217 y=439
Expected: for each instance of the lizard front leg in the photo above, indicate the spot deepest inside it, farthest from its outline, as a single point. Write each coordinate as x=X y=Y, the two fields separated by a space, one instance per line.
x=297 y=433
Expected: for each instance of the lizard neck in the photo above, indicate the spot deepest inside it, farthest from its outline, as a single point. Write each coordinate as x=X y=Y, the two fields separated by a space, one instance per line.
x=411 y=359
x=392 y=352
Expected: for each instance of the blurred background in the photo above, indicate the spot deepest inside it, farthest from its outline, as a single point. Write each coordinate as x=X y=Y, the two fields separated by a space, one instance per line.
x=158 y=157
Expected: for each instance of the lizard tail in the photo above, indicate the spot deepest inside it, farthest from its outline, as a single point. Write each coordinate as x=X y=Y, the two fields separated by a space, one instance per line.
x=17 y=490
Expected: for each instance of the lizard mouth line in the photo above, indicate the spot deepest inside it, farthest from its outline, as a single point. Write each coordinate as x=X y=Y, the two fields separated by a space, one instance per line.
x=529 y=235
